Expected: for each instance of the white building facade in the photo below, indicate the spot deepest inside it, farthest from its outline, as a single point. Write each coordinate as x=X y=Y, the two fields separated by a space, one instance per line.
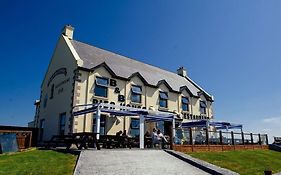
x=81 y=74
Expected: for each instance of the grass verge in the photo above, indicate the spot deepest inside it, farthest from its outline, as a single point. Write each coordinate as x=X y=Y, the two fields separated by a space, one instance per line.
x=249 y=162
x=35 y=162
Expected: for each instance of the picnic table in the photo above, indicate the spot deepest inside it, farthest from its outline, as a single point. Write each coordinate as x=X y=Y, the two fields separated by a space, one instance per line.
x=81 y=140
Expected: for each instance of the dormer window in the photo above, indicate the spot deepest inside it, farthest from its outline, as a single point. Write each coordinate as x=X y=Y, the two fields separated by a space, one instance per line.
x=136 y=94
x=101 y=87
x=185 y=104
x=163 y=99
x=203 y=107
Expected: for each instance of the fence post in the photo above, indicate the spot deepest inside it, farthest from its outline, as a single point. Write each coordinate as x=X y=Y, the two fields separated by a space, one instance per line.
x=252 y=141
x=190 y=136
x=232 y=137
x=260 y=139
x=207 y=136
x=242 y=135
x=220 y=137
x=30 y=139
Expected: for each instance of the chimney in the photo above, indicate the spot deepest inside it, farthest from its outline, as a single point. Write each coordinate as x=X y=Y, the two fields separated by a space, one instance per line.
x=68 y=31
x=182 y=71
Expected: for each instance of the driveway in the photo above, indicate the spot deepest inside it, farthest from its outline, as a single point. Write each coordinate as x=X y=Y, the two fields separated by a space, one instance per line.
x=132 y=162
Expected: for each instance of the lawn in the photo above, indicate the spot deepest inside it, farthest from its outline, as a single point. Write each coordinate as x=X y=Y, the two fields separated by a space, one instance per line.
x=250 y=162
x=37 y=162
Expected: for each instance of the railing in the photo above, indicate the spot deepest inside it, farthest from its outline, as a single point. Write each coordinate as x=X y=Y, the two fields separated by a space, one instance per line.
x=193 y=136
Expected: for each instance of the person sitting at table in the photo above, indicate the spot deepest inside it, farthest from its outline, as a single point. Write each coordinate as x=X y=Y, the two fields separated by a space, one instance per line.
x=119 y=139
x=161 y=139
x=147 y=139
x=154 y=136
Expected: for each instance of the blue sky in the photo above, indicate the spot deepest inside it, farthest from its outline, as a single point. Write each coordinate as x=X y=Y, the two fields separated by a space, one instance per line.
x=231 y=48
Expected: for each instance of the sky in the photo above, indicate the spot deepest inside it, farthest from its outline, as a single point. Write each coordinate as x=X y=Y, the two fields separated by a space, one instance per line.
x=230 y=48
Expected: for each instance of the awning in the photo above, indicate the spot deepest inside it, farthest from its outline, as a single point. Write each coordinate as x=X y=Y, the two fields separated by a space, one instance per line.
x=152 y=116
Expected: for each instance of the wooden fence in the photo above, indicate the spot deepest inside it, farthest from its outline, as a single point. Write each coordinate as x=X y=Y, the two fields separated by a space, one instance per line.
x=26 y=137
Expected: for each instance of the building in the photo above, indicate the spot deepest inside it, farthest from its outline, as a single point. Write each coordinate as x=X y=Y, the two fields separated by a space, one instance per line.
x=79 y=74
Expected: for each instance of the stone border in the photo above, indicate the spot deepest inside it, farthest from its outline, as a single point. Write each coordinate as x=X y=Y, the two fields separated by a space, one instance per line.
x=205 y=166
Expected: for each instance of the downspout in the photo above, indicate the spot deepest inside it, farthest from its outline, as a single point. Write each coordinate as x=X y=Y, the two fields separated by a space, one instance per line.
x=86 y=101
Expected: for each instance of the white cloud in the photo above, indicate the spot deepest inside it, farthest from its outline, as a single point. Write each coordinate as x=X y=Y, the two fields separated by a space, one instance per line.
x=273 y=120
x=266 y=130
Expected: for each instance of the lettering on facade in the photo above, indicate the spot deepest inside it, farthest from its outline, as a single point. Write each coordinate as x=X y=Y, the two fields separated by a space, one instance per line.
x=95 y=101
x=117 y=90
x=62 y=83
x=121 y=98
x=113 y=82
x=56 y=73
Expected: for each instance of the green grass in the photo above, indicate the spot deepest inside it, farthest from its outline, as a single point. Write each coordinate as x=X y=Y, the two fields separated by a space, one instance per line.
x=37 y=162
x=250 y=162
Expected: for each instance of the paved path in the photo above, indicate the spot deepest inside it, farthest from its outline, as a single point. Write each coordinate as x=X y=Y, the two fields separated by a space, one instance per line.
x=132 y=162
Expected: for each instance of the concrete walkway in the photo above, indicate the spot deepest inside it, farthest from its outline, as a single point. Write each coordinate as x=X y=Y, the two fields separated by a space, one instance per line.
x=132 y=162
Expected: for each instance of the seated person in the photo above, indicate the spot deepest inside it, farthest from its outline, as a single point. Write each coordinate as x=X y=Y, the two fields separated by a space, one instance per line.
x=154 y=136
x=147 y=139
x=160 y=139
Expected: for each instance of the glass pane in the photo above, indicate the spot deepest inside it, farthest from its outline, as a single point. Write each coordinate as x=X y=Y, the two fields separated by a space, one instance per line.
x=62 y=119
x=203 y=104
x=100 y=91
x=185 y=107
x=184 y=100
x=101 y=81
x=163 y=103
x=203 y=110
x=136 y=89
x=135 y=123
x=163 y=95
x=136 y=98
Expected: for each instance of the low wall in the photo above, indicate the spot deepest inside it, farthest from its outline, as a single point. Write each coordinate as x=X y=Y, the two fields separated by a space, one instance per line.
x=206 y=148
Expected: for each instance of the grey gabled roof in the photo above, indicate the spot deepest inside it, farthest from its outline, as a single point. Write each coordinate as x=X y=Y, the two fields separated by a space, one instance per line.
x=124 y=67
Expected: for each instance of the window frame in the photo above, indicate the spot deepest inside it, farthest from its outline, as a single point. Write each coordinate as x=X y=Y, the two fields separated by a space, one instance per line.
x=135 y=93
x=203 y=109
x=62 y=125
x=101 y=86
x=184 y=103
x=165 y=99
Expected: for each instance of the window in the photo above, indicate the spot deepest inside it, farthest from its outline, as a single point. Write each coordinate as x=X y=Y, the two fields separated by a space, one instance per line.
x=185 y=104
x=102 y=125
x=41 y=131
x=45 y=101
x=62 y=123
x=101 y=87
x=52 y=91
x=203 y=107
x=135 y=124
x=163 y=99
x=136 y=94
